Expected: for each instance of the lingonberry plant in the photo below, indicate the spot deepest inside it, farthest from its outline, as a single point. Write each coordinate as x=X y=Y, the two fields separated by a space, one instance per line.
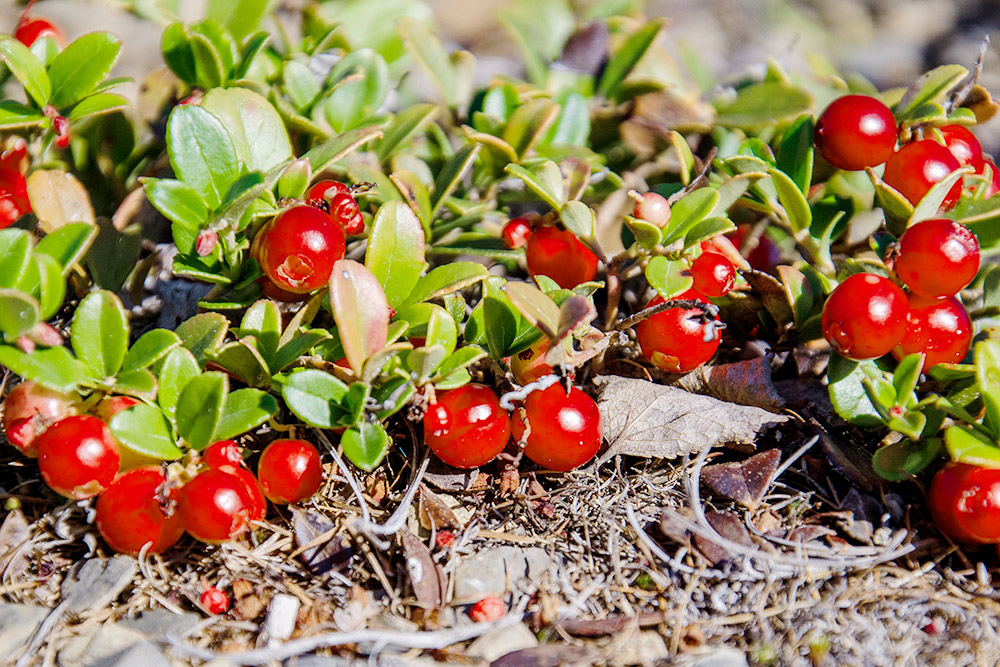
x=425 y=240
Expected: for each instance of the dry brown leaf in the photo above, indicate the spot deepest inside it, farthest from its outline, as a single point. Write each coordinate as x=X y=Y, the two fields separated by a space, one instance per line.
x=433 y=512
x=13 y=533
x=729 y=526
x=550 y=655
x=58 y=198
x=331 y=554
x=645 y=419
x=744 y=382
x=445 y=478
x=427 y=579
x=747 y=481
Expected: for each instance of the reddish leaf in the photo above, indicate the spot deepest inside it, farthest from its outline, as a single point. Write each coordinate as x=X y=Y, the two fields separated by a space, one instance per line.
x=429 y=584
x=745 y=482
x=360 y=310
x=433 y=512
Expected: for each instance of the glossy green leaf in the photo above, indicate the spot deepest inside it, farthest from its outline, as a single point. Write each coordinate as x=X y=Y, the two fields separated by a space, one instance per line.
x=967 y=445
x=528 y=124
x=139 y=383
x=930 y=87
x=365 y=445
x=15 y=115
x=199 y=408
x=646 y=234
x=763 y=104
x=461 y=358
x=50 y=287
x=500 y=322
x=52 y=367
x=572 y=126
x=145 y=430
x=243 y=193
x=177 y=53
x=360 y=308
x=396 y=251
x=684 y=156
x=239 y=17
x=626 y=57
x=179 y=368
x=99 y=333
x=244 y=409
x=15 y=256
x=322 y=156
x=534 y=305
x=540 y=30
x=791 y=198
x=83 y=64
x=150 y=348
x=214 y=53
x=732 y=189
x=930 y=203
x=202 y=152
x=799 y=292
x=362 y=83
x=26 y=69
x=579 y=218
x=404 y=126
x=446 y=279
x=263 y=321
x=97 y=105
x=314 y=396
x=911 y=424
x=706 y=229
x=441 y=330
x=545 y=181
x=429 y=53
x=300 y=84
x=688 y=211
x=258 y=133
x=986 y=357
x=896 y=207
x=203 y=333
x=423 y=362
x=415 y=194
x=68 y=244
x=847 y=393
x=906 y=375
x=902 y=460
x=178 y=202
x=299 y=345
x=19 y=313
x=668 y=277
x=795 y=152
x=241 y=359
x=452 y=174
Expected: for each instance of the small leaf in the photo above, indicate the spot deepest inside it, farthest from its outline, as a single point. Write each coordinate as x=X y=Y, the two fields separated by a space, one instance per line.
x=145 y=430
x=668 y=277
x=100 y=333
x=139 y=383
x=68 y=244
x=847 y=393
x=15 y=256
x=296 y=347
x=415 y=194
x=175 y=46
x=263 y=321
x=930 y=87
x=578 y=218
x=906 y=375
x=199 y=408
x=791 y=198
x=203 y=333
x=441 y=330
x=244 y=409
x=795 y=152
x=315 y=396
x=50 y=286
x=461 y=358
x=763 y=104
x=58 y=199
x=178 y=202
x=26 y=69
x=241 y=359
x=14 y=115
x=452 y=173
x=902 y=460
x=688 y=211
x=966 y=445
x=930 y=203
x=646 y=234
x=405 y=125
x=19 y=313
x=83 y=64
x=747 y=481
x=360 y=310
x=528 y=124
x=446 y=279
x=986 y=357
x=626 y=57
x=239 y=17
x=258 y=133
x=536 y=307
x=396 y=251
x=798 y=291
x=429 y=53
x=52 y=367
x=545 y=181
x=361 y=81
x=429 y=583
x=365 y=445
x=333 y=150
x=202 y=152
x=896 y=207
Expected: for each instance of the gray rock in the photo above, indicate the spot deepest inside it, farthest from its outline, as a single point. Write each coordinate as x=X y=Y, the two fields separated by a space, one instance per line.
x=499 y=642
x=488 y=572
x=97 y=582
x=106 y=642
x=157 y=623
x=723 y=657
x=142 y=653
x=18 y=623
x=646 y=648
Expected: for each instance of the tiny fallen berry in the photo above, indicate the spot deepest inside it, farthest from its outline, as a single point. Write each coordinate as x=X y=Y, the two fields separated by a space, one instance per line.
x=214 y=600
x=444 y=538
x=488 y=609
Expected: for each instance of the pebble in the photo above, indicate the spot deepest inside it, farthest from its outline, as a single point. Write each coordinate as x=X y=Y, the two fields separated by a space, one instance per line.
x=18 y=623
x=281 y=616
x=141 y=653
x=499 y=642
x=156 y=623
x=488 y=572
x=722 y=657
x=96 y=583
x=646 y=648
x=102 y=644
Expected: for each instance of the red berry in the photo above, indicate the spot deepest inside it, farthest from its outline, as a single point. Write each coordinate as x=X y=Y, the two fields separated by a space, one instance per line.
x=444 y=538
x=965 y=502
x=31 y=29
x=223 y=453
x=529 y=365
x=964 y=145
x=214 y=600
x=324 y=189
x=289 y=471
x=916 y=167
x=488 y=609
x=466 y=427
x=865 y=316
x=77 y=457
x=30 y=409
x=215 y=506
x=14 y=154
x=713 y=274
x=937 y=258
x=653 y=208
x=297 y=249
x=516 y=232
x=14 y=200
x=855 y=131
x=940 y=328
x=134 y=511
x=258 y=505
x=559 y=255
x=675 y=340
x=345 y=212
x=565 y=428
x=108 y=408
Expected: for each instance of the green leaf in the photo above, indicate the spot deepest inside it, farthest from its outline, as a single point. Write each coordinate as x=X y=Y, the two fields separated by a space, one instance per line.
x=68 y=244
x=668 y=277
x=81 y=66
x=333 y=150
x=684 y=155
x=97 y=105
x=242 y=359
x=688 y=211
x=244 y=409
x=795 y=152
x=528 y=124
x=202 y=152
x=100 y=333
x=933 y=86
x=177 y=53
x=139 y=383
x=365 y=445
x=626 y=58
x=966 y=445
x=986 y=357
x=49 y=287
x=150 y=348
x=461 y=358
x=799 y=292
x=362 y=83
x=179 y=368
x=212 y=49
x=145 y=430
x=14 y=115
x=396 y=251
x=415 y=194
x=26 y=69
x=52 y=367
x=203 y=333
x=534 y=305
x=706 y=229
x=540 y=30
x=847 y=393
x=906 y=375
x=242 y=195
x=452 y=173
x=579 y=218
x=300 y=84
x=446 y=279
x=199 y=408
x=239 y=17
x=263 y=321
x=429 y=53
x=791 y=198
x=500 y=321
x=405 y=125
x=19 y=313
x=930 y=203
x=178 y=202
x=360 y=309
x=902 y=460
x=296 y=347
x=763 y=104
x=911 y=424
x=15 y=256
x=646 y=234
x=545 y=181
x=258 y=133
x=315 y=397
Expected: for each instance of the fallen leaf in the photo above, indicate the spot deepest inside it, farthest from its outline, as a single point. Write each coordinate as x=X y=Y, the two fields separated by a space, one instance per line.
x=58 y=198
x=549 y=655
x=744 y=382
x=13 y=533
x=645 y=419
x=727 y=525
x=331 y=554
x=427 y=579
x=433 y=512
x=808 y=533
x=747 y=481
x=587 y=48
x=609 y=626
x=446 y=478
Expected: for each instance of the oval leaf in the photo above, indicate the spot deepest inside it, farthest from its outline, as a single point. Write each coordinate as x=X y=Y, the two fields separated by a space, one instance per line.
x=145 y=430
x=202 y=334
x=244 y=409
x=396 y=251
x=365 y=445
x=26 y=69
x=314 y=396
x=199 y=408
x=202 y=152
x=58 y=199
x=179 y=368
x=258 y=133
x=99 y=333
x=81 y=66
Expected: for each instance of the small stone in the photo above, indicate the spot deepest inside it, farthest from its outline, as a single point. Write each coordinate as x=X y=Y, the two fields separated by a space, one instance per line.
x=281 y=616
x=96 y=583
x=646 y=648
x=107 y=641
x=499 y=642
x=18 y=623
x=142 y=653
x=723 y=657
x=158 y=623
x=489 y=571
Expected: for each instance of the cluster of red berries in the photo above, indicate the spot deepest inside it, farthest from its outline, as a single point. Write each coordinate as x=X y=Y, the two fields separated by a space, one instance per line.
x=552 y=252
x=297 y=248
x=14 y=200
x=139 y=502
x=867 y=316
x=467 y=427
